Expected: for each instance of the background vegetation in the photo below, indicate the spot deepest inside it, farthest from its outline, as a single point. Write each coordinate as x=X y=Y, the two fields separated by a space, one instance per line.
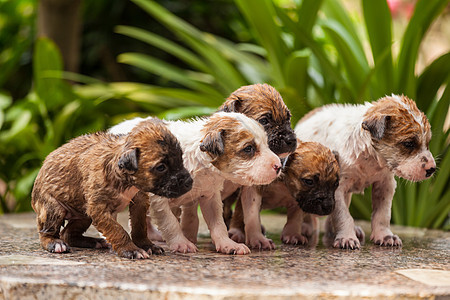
x=182 y=58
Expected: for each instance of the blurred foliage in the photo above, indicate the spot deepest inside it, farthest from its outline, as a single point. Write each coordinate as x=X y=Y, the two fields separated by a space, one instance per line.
x=312 y=51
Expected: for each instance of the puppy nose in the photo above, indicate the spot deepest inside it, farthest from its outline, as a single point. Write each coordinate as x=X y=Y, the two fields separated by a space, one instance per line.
x=430 y=172
x=277 y=168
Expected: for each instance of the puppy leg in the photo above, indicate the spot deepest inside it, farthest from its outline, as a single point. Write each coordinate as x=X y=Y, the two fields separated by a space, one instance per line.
x=227 y=204
x=50 y=218
x=72 y=234
x=310 y=226
x=382 y=193
x=153 y=234
x=189 y=221
x=213 y=214
x=236 y=231
x=343 y=223
x=170 y=226
x=105 y=222
x=292 y=231
x=251 y=206
x=138 y=211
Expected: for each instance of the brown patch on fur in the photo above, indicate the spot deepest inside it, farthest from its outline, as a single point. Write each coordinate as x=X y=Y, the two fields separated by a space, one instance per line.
x=398 y=130
x=312 y=176
x=92 y=177
x=264 y=104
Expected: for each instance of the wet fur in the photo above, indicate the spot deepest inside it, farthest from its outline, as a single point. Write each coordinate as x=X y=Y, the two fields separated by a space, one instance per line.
x=93 y=177
x=375 y=141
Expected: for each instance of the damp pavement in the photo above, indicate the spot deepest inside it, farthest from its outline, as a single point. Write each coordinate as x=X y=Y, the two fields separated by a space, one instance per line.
x=420 y=269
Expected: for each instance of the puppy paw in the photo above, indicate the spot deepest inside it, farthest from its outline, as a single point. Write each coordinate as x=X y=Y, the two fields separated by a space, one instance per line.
x=294 y=239
x=261 y=243
x=236 y=235
x=155 y=249
x=360 y=234
x=183 y=247
x=391 y=240
x=231 y=247
x=58 y=246
x=347 y=243
x=102 y=244
x=133 y=253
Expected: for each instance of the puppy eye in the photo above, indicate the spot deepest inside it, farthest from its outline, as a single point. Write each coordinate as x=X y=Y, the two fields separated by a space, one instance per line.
x=161 y=168
x=307 y=181
x=263 y=121
x=249 y=149
x=409 y=144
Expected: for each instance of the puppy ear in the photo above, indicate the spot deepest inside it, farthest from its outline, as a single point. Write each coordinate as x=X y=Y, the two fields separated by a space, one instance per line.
x=213 y=143
x=128 y=162
x=376 y=125
x=232 y=104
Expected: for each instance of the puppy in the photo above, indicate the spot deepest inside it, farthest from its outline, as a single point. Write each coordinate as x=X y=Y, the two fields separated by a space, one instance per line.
x=93 y=177
x=225 y=146
x=264 y=104
x=306 y=185
x=375 y=141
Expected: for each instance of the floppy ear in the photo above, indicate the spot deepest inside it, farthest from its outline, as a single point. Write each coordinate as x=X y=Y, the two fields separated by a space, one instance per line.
x=213 y=143
x=232 y=104
x=128 y=162
x=376 y=125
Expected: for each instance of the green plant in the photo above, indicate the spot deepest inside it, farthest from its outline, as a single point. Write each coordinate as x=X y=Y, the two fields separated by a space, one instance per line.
x=313 y=54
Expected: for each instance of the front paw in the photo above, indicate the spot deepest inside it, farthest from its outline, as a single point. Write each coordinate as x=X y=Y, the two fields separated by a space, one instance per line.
x=230 y=247
x=390 y=240
x=58 y=246
x=347 y=243
x=236 y=235
x=294 y=239
x=260 y=242
x=133 y=253
x=152 y=249
x=184 y=246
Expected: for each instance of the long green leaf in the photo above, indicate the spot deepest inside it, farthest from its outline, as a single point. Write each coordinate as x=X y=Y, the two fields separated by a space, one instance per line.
x=378 y=25
x=260 y=16
x=424 y=14
x=164 y=44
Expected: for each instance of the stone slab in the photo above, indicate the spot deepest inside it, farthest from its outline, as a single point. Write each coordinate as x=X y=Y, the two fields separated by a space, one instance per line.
x=310 y=272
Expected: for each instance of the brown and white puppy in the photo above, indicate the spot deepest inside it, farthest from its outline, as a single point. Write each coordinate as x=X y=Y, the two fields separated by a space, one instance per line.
x=306 y=185
x=264 y=104
x=375 y=141
x=93 y=177
x=225 y=146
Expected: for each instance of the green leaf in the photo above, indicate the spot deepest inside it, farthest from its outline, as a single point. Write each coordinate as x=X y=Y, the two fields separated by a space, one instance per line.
x=378 y=25
x=164 y=44
x=424 y=14
x=431 y=79
x=260 y=16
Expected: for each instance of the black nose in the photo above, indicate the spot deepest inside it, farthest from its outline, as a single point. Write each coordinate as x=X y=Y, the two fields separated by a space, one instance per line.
x=430 y=172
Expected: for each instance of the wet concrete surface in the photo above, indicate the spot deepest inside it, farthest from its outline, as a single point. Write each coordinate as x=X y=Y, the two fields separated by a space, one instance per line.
x=421 y=269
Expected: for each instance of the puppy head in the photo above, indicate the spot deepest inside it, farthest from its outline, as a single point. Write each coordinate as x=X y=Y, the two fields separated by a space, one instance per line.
x=264 y=104
x=152 y=160
x=400 y=134
x=312 y=176
x=238 y=147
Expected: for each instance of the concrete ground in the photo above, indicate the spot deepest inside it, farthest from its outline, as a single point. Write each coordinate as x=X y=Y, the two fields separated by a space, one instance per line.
x=421 y=269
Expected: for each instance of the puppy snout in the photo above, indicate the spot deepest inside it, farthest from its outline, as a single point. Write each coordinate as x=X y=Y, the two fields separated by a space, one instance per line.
x=429 y=172
x=277 y=168
x=185 y=180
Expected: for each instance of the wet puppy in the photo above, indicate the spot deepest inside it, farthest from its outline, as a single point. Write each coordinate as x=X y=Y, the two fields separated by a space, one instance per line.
x=93 y=177
x=306 y=185
x=264 y=104
x=375 y=141
x=225 y=146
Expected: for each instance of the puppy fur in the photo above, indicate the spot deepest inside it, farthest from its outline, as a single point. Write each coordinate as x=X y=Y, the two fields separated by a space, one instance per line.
x=93 y=177
x=375 y=141
x=307 y=185
x=225 y=146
